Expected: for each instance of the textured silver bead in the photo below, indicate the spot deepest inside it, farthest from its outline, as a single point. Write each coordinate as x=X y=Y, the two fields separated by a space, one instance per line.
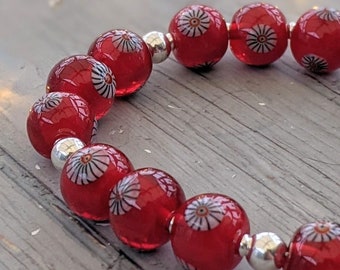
x=62 y=149
x=159 y=45
x=264 y=251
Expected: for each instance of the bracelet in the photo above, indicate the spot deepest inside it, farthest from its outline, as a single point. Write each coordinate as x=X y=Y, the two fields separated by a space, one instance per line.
x=147 y=207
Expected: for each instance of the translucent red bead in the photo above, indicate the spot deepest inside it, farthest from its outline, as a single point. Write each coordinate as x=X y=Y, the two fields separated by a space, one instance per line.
x=128 y=57
x=86 y=77
x=315 y=246
x=58 y=115
x=140 y=207
x=200 y=36
x=315 y=40
x=87 y=177
x=206 y=231
x=258 y=34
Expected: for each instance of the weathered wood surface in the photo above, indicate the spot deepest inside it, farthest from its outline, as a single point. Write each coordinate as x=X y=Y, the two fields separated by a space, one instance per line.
x=270 y=138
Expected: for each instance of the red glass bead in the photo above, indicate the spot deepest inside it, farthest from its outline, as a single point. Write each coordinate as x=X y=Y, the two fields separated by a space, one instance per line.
x=315 y=246
x=141 y=205
x=258 y=34
x=58 y=115
x=127 y=55
x=87 y=177
x=315 y=40
x=86 y=77
x=206 y=232
x=200 y=36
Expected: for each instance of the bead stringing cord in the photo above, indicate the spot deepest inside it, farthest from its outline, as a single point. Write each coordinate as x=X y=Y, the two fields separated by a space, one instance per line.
x=147 y=206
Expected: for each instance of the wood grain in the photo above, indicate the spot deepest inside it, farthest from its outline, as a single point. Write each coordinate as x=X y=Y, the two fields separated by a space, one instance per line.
x=268 y=137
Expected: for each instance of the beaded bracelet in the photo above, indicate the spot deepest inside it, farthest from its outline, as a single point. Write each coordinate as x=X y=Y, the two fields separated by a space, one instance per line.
x=147 y=207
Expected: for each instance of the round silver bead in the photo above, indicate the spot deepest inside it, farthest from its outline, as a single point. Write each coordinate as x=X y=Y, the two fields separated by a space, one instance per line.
x=263 y=250
x=62 y=149
x=159 y=45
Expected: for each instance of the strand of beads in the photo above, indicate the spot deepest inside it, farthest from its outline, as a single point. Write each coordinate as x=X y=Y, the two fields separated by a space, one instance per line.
x=147 y=207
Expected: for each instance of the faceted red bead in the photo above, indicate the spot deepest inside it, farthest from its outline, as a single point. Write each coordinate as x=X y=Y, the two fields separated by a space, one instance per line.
x=315 y=40
x=315 y=246
x=87 y=177
x=127 y=55
x=58 y=115
x=206 y=232
x=200 y=36
x=141 y=205
x=86 y=77
x=258 y=34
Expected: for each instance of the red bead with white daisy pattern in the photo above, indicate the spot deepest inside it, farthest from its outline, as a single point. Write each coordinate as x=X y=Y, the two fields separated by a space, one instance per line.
x=315 y=246
x=315 y=40
x=58 y=115
x=86 y=77
x=200 y=36
x=141 y=205
x=258 y=34
x=87 y=177
x=128 y=57
x=206 y=232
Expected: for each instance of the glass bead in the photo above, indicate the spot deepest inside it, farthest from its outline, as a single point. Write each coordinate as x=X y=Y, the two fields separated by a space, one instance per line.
x=258 y=34
x=315 y=246
x=141 y=205
x=127 y=55
x=200 y=36
x=55 y=116
x=206 y=232
x=87 y=177
x=315 y=40
x=86 y=77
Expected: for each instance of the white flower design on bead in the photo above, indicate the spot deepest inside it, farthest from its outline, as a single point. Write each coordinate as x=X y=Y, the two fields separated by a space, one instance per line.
x=320 y=231
x=261 y=38
x=314 y=63
x=103 y=80
x=204 y=213
x=124 y=195
x=328 y=14
x=47 y=102
x=193 y=22
x=94 y=130
x=126 y=41
x=118 y=160
x=166 y=184
x=87 y=165
x=147 y=171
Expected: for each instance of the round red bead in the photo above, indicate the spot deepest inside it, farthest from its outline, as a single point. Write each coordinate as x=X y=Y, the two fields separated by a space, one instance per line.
x=206 y=232
x=315 y=246
x=315 y=40
x=86 y=77
x=58 y=115
x=127 y=55
x=200 y=36
x=141 y=205
x=258 y=34
x=87 y=177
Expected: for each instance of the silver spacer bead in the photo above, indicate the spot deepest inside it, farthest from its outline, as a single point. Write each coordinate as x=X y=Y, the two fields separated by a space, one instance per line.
x=291 y=26
x=245 y=245
x=62 y=149
x=159 y=45
x=264 y=251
